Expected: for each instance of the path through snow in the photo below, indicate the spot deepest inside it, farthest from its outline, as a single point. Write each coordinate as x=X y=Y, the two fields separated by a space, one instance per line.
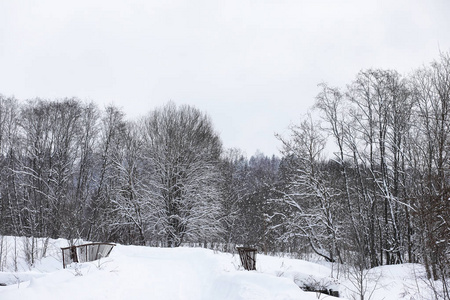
x=133 y=272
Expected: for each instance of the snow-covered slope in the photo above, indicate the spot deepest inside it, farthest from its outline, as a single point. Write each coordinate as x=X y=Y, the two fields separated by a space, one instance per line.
x=133 y=272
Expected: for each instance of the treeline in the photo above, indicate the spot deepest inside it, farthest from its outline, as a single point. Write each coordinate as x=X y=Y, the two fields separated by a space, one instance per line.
x=69 y=169
x=383 y=197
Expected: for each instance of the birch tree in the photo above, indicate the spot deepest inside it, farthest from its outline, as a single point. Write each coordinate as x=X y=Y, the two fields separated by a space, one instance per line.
x=432 y=96
x=313 y=202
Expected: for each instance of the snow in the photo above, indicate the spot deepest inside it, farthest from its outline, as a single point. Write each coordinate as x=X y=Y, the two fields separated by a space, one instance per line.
x=133 y=272
x=136 y=272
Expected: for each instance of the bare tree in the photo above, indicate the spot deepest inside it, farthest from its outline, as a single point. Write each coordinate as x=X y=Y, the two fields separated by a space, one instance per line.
x=111 y=134
x=10 y=212
x=312 y=200
x=182 y=153
x=432 y=96
x=134 y=211
x=84 y=169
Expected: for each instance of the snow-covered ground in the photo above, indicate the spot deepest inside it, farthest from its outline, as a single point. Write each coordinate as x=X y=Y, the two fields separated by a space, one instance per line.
x=133 y=272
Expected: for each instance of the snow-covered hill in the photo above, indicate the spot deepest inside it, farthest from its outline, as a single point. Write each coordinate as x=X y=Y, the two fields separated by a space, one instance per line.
x=133 y=272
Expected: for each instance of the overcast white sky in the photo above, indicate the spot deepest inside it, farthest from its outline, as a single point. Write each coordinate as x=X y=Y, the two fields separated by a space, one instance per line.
x=253 y=66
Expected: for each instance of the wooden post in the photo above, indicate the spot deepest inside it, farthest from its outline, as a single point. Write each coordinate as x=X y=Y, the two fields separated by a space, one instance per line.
x=248 y=257
x=73 y=254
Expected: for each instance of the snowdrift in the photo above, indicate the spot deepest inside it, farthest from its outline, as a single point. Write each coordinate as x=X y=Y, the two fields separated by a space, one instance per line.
x=134 y=272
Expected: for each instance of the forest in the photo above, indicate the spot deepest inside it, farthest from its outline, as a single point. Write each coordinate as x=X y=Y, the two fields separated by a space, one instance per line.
x=69 y=169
